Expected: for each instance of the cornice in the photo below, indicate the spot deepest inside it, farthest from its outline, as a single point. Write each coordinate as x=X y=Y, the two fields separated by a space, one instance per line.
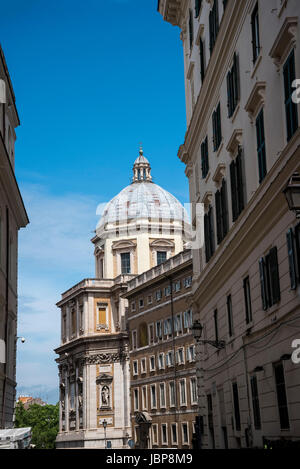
x=11 y=187
x=232 y=20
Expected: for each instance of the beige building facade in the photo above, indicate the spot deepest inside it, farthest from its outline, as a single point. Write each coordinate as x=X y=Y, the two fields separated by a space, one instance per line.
x=163 y=389
x=12 y=217
x=240 y=150
x=141 y=227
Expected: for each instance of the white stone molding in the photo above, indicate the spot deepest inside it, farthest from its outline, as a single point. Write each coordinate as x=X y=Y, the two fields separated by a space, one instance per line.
x=285 y=40
x=235 y=142
x=256 y=99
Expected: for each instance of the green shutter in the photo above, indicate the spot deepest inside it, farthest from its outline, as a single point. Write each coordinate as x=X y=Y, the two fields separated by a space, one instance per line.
x=292 y=260
x=262 y=271
x=274 y=276
x=218 y=217
x=233 y=190
x=240 y=182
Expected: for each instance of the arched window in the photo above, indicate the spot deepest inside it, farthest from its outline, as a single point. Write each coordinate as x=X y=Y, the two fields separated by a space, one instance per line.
x=143 y=335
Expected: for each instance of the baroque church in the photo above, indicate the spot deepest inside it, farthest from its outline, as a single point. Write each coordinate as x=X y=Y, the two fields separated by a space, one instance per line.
x=143 y=226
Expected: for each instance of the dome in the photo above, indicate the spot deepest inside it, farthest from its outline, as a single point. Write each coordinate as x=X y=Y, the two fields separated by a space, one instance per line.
x=143 y=199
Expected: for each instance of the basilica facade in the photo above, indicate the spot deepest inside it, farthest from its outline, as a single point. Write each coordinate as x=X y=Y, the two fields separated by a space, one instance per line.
x=143 y=226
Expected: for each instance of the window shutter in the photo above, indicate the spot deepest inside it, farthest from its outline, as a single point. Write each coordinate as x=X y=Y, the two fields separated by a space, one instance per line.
x=229 y=94
x=211 y=232
x=206 y=235
x=202 y=67
x=224 y=209
x=219 y=124
x=274 y=276
x=262 y=271
x=218 y=216
x=214 y=130
x=240 y=182
x=233 y=190
x=236 y=82
x=291 y=254
x=297 y=239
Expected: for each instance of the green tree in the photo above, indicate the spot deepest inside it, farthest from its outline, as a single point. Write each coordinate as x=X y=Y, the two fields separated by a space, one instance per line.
x=43 y=421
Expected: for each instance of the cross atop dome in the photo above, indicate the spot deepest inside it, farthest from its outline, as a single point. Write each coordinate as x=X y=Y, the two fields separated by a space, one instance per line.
x=141 y=168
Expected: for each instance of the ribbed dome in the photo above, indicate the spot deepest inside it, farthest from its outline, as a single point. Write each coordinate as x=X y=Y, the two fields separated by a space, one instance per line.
x=143 y=200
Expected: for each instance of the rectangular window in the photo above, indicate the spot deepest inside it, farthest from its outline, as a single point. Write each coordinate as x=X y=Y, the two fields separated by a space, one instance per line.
x=204 y=158
x=153 y=396
x=174 y=433
x=221 y=212
x=190 y=353
x=217 y=129
x=149 y=299
x=136 y=399
x=161 y=361
x=152 y=363
x=194 y=394
x=158 y=326
x=237 y=186
x=247 y=298
x=213 y=25
x=182 y=392
x=236 y=405
x=125 y=263
x=255 y=402
x=185 y=434
x=269 y=279
x=168 y=327
x=233 y=86
x=209 y=235
x=255 y=33
x=281 y=396
x=164 y=434
x=178 y=323
x=188 y=319
x=291 y=109
x=229 y=316
x=180 y=356
x=261 y=146
x=158 y=295
x=144 y=398
x=161 y=257
x=172 y=394
x=143 y=366
x=170 y=358
x=141 y=303
x=135 y=368
x=297 y=241
x=162 y=395
x=155 y=434
x=168 y=290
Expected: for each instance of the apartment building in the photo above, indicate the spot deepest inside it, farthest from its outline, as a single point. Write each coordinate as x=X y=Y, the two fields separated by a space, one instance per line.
x=12 y=217
x=241 y=149
x=163 y=385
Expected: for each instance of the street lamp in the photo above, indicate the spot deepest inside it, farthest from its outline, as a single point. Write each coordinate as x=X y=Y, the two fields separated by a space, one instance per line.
x=292 y=194
x=197 y=329
x=104 y=423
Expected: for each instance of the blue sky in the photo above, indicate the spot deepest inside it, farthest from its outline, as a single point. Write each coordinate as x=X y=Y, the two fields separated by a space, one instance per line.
x=92 y=79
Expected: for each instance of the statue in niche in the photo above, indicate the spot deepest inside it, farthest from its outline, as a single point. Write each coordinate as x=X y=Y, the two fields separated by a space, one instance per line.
x=105 y=396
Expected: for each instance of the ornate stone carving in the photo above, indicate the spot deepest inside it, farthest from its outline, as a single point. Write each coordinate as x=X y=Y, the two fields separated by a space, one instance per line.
x=102 y=358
